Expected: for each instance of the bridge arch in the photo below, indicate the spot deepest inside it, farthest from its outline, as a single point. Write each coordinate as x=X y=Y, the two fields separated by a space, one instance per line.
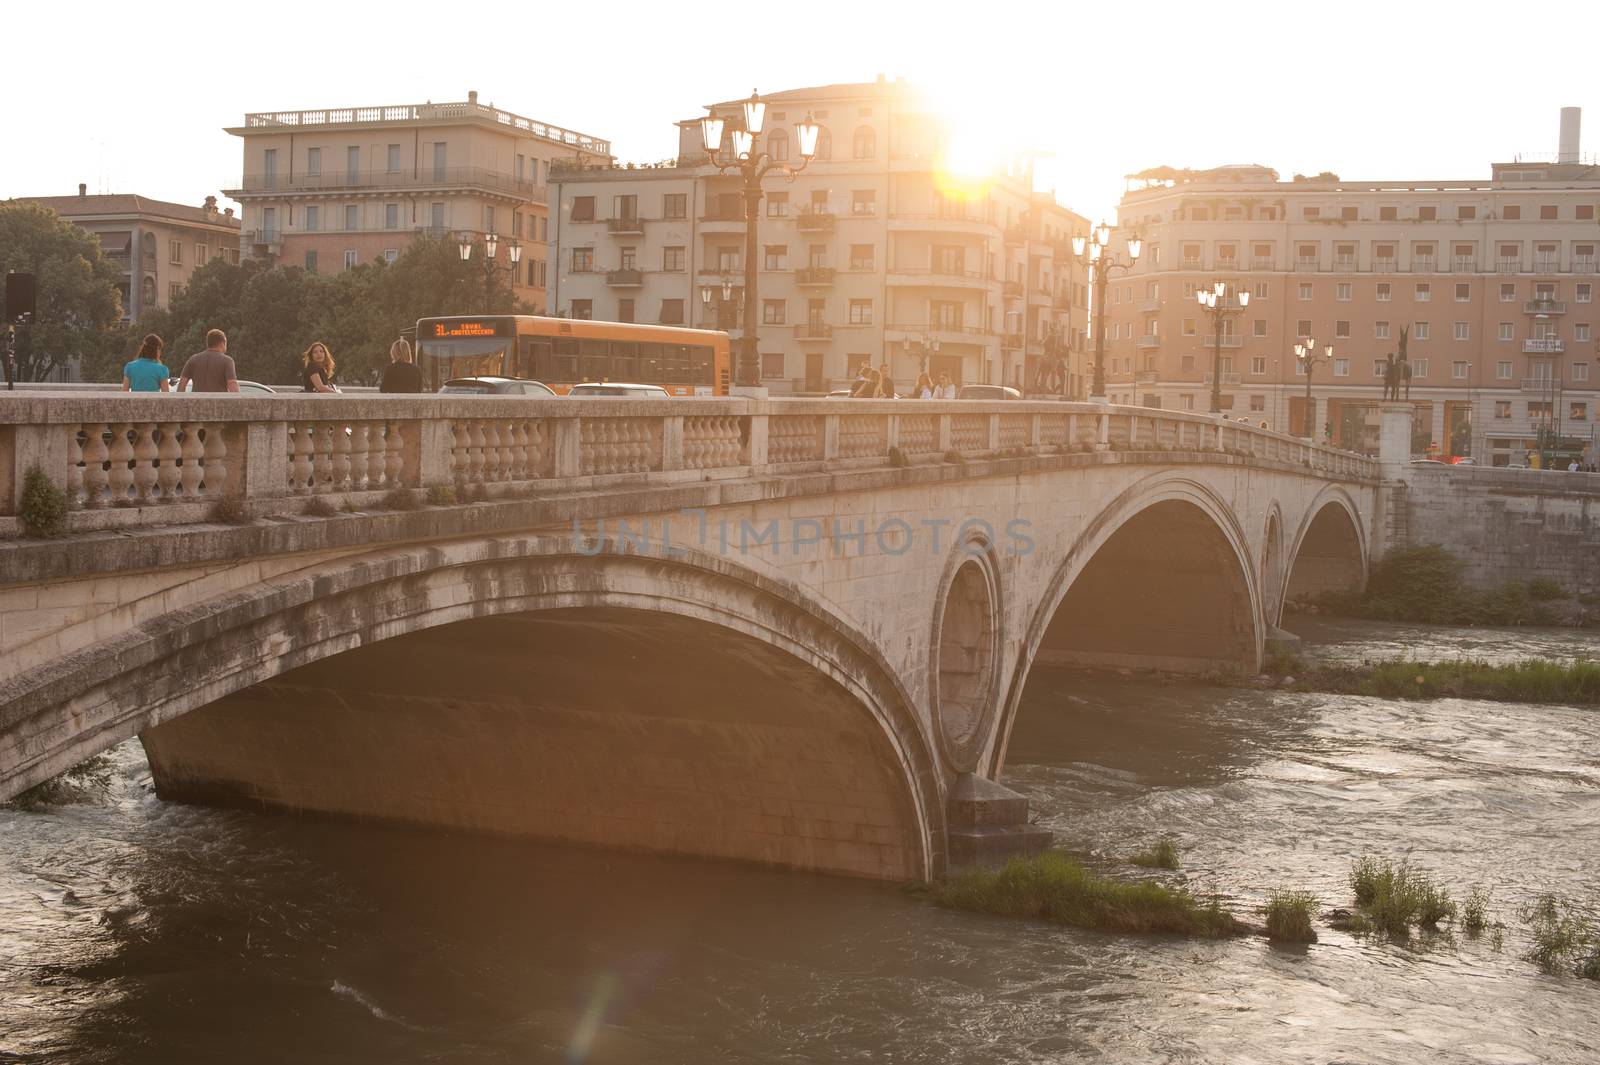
x=1168 y=543
x=889 y=822
x=1330 y=548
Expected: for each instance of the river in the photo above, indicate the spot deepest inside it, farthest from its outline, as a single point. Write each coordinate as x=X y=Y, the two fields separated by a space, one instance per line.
x=136 y=931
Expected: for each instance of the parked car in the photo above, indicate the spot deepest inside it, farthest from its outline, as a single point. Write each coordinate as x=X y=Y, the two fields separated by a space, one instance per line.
x=619 y=388
x=494 y=386
x=1428 y=462
x=246 y=388
x=988 y=392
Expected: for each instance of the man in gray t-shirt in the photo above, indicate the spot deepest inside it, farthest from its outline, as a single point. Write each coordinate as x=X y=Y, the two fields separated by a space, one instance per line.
x=211 y=370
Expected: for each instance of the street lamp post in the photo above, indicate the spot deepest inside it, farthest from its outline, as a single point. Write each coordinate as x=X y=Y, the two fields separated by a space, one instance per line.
x=707 y=291
x=751 y=165
x=491 y=245
x=1095 y=251
x=1306 y=352
x=1218 y=305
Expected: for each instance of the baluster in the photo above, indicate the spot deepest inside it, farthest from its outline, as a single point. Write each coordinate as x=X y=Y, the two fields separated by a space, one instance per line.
x=340 y=464
x=458 y=451
x=322 y=457
x=475 y=458
x=358 y=456
x=96 y=458
x=393 y=455
x=121 y=475
x=190 y=450
x=375 y=455
x=144 y=462
x=519 y=450
x=505 y=447
x=492 y=469
x=167 y=475
x=301 y=446
x=78 y=467
x=215 y=462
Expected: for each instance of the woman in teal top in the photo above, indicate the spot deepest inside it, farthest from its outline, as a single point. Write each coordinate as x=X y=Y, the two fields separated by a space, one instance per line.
x=145 y=373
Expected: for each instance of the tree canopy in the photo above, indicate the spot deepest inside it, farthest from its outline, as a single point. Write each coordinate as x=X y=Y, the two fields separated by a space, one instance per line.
x=77 y=305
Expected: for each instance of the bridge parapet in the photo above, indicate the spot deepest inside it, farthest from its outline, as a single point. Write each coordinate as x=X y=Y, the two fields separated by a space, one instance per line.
x=135 y=460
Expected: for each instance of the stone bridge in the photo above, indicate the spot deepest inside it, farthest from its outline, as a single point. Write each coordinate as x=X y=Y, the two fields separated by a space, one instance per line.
x=790 y=631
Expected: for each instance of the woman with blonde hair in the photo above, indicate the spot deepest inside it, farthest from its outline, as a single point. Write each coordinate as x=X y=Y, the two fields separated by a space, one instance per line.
x=316 y=368
x=401 y=375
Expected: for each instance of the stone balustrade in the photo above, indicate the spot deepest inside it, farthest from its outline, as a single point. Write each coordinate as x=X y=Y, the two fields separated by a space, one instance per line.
x=131 y=460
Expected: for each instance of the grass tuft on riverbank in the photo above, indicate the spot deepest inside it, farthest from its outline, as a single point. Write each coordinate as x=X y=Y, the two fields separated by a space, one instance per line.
x=1289 y=916
x=1054 y=887
x=71 y=785
x=1164 y=855
x=1564 y=939
x=1531 y=681
x=1394 y=896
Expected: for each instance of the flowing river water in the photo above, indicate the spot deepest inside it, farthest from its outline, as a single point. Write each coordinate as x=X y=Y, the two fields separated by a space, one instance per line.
x=135 y=931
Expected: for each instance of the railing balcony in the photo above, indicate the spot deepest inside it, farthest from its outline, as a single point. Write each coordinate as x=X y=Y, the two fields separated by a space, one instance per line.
x=1544 y=307
x=1015 y=235
x=1229 y=265
x=1546 y=266
x=625 y=278
x=1145 y=377
x=1227 y=341
x=713 y=214
x=1345 y=263
x=1012 y=289
x=1149 y=340
x=1584 y=265
x=1229 y=377
x=813 y=330
x=425 y=177
x=1011 y=341
x=814 y=220
x=627 y=224
x=1383 y=266
x=1148 y=306
x=1508 y=266
x=1061 y=303
x=1261 y=262
x=1463 y=264
x=1424 y=264
x=1305 y=264
x=815 y=276
x=265 y=237
x=1189 y=264
x=724 y=322
x=1541 y=384
x=1544 y=346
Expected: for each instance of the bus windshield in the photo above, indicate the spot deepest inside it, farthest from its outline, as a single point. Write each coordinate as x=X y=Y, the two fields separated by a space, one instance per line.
x=444 y=360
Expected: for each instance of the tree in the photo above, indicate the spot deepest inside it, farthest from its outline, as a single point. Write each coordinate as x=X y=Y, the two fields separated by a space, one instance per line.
x=77 y=302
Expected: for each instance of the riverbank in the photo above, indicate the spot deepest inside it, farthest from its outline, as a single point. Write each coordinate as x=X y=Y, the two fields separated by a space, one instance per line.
x=1575 y=683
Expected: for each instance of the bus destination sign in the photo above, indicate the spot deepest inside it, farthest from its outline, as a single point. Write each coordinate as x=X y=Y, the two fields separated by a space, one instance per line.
x=466 y=328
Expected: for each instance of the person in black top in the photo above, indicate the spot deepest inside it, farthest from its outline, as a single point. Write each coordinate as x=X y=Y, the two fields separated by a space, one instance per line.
x=401 y=375
x=316 y=369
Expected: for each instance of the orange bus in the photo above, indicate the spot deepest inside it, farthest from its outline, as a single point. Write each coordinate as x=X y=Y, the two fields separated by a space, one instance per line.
x=562 y=352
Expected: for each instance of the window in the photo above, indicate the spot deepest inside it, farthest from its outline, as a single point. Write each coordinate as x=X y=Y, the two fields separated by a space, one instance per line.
x=864 y=145
x=1419 y=367
x=774 y=312
x=313 y=161
x=1258 y=364
x=1379 y=366
x=350 y=258
x=1578 y=412
x=674 y=205
x=1580 y=371
x=625 y=310
x=1424 y=292
x=778 y=146
x=175 y=252
x=1547 y=213
x=352 y=163
x=630 y=259
x=200 y=254
x=1188 y=364
x=313 y=218
x=1419 y=331
x=1458 y=369
x=1511 y=212
x=1380 y=330
x=1260 y=291
x=864 y=202
x=1465 y=212
x=391 y=254
x=1502 y=408
x=860 y=312
x=1458 y=331
x=672 y=259
x=488 y=220
x=582 y=260
x=728 y=260
x=672 y=312
x=1186 y=402
x=862 y=256
x=1463 y=293
x=771 y=364
x=1302 y=328
x=1508 y=293
x=1507 y=331
x=1258 y=327
x=1427 y=214
x=1188 y=327
x=824 y=144
x=1580 y=331
x=777 y=205
x=1584 y=293
x=393 y=162
x=1385 y=293
x=1191 y=255
x=1341 y=367
x=173 y=288
x=1344 y=292
x=1387 y=214
x=1347 y=214
x=583 y=208
x=1538 y=409
x=1305 y=290
x=1310 y=212
x=777 y=257
x=352 y=216
x=583 y=310
x=1583 y=212
x=391 y=216
x=1341 y=330
x=311 y=262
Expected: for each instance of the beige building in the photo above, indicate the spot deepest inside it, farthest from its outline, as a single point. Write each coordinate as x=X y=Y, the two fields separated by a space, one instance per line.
x=869 y=255
x=333 y=188
x=154 y=243
x=1494 y=281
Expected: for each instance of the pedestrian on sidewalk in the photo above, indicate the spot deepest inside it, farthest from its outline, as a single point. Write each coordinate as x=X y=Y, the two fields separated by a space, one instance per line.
x=210 y=370
x=145 y=372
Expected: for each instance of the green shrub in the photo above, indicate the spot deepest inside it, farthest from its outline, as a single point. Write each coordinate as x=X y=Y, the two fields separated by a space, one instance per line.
x=230 y=510
x=1053 y=887
x=401 y=499
x=1562 y=938
x=1395 y=896
x=1540 y=588
x=44 y=506
x=1475 y=912
x=318 y=507
x=897 y=458
x=1164 y=855
x=441 y=495
x=67 y=786
x=1418 y=582
x=1289 y=916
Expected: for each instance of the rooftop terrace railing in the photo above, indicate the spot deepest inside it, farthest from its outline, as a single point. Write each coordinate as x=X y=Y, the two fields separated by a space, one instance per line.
x=395 y=113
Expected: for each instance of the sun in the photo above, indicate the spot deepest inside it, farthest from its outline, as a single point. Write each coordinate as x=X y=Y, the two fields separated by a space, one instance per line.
x=978 y=138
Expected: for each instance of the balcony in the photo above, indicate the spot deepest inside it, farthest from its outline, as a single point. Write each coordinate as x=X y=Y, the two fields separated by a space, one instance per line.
x=631 y=226
x=1544 y=307
x=1424 y=264
x=1546 y=266
x=1228 y=265
x=1541 y=384
x=1229 y=377
x=1583 y=265
x=715 y=215
x=1227 y=341
x=1508 y=266
x=625 y=278
x=1262 y=262
x=1149 y=340
x=269 y=241
x=815 y=220
x=1015 y=236
x=1544 y=346
x=1462 y=264
x=429 y=177
x=1383 y=266
x=1305 y=265
x=1012 y=289
x=1189 y=264
x=1344 y=264
x=1145 y=377
x=468 y=110
x=815 y=276
x=1011 y=341
x=1148 y=306
x=813 y=330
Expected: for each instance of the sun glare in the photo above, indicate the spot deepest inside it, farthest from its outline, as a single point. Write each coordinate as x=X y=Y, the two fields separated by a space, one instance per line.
x=977 y=139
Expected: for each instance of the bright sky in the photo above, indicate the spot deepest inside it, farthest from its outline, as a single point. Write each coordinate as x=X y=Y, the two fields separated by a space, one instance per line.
x=1369 y=90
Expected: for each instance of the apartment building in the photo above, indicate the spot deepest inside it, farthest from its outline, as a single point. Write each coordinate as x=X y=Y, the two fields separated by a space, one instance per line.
x=870 y=254
x=1494 y=282
x=154 y=243
x=329 y=189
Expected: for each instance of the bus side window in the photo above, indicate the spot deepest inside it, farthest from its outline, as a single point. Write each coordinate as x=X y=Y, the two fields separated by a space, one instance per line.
x=536 y=358
x=649 y=363
x=700 y=358
x=625 y=361
x=674 y=364
x=564 y=364
x=596 y=359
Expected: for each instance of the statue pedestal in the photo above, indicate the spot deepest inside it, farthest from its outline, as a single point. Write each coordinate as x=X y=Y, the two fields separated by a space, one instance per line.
x=1394 y=438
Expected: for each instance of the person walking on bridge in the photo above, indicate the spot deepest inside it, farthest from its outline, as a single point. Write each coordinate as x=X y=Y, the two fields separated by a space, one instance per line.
x=145 y=371
x=401 y=375
x=210 y=370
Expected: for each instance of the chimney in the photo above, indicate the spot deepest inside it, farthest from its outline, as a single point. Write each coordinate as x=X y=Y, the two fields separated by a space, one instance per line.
x=83 y=191
x=472 y=96
x=1570 y=117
